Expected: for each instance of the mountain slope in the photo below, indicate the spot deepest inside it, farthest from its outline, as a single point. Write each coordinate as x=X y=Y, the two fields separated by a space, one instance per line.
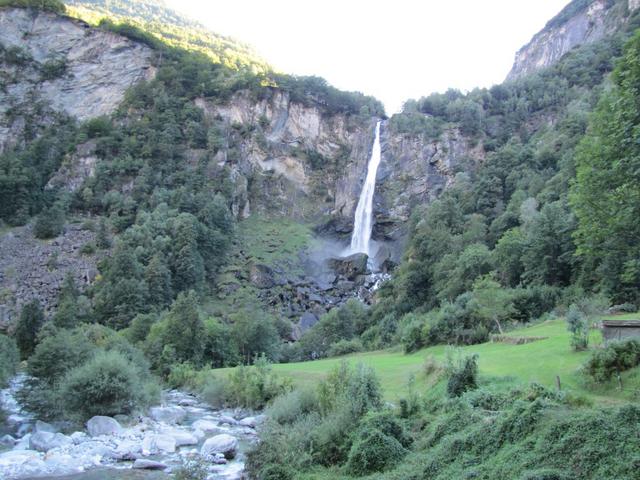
x=581 y=22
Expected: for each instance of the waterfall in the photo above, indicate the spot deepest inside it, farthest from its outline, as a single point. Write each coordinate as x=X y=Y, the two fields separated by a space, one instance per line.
x=363 y=222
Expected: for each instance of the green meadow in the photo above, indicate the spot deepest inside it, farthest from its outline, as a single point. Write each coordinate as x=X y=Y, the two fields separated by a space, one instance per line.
x=539 y=361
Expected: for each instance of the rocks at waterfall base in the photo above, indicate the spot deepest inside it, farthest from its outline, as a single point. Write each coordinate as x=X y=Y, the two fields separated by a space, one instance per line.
x=350 y=267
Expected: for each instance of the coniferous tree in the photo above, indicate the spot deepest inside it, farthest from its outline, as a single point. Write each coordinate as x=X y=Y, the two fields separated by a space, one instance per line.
x=29 y=323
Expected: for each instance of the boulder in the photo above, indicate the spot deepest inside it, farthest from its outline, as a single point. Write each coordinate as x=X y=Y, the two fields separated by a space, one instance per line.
x=7 y=441
x=79 y=437
x=182 y=437
x=205 y=425
x=251 y=422
x=261 y=276
x=145 y=464
x=225 y=419
x=45 y=441
x=44 y=427
x=155 y=443
x=224 y=444
x=170 y=415
x=127 y=450
x=307 y=320
x=350 y=267
x=100 y=425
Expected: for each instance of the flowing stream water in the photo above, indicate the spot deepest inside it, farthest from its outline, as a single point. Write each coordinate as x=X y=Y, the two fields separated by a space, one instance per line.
x=363 y=221
x=172 y=433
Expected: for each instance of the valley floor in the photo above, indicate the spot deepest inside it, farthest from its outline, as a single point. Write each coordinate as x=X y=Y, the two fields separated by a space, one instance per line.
x=539 y=361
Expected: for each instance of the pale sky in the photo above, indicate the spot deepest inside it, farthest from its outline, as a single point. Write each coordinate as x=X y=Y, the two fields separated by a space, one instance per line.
x=394 y=49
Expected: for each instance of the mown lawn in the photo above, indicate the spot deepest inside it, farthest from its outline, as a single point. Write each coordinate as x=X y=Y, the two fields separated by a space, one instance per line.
x=539 y=361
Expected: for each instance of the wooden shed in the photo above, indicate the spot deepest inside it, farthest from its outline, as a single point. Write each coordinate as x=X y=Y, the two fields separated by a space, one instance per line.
x=617 y=330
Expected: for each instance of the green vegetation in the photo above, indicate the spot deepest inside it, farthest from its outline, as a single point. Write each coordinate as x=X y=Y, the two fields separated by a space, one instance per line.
x=553 y=352
x=54 y=6
x=606 y=195
x=9 y=358
x=501 y=428
x=29 y=324
x=85 y=371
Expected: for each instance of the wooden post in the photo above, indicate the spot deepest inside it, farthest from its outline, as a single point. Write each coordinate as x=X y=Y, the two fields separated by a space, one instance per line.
x=558 y=385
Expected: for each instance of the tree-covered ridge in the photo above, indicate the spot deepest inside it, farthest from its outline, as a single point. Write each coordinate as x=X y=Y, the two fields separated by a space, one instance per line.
x=156 y=18
x=606 y=191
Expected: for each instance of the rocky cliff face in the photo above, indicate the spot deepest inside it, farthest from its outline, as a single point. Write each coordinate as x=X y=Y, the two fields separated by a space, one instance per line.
x=55 y=65
x=289 y=158
x=415 y=171
x=568 y=30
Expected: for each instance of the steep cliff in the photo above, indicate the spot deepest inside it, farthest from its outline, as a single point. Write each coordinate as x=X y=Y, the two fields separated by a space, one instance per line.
x=580 y=22
x=54 y=65
x=289 y=158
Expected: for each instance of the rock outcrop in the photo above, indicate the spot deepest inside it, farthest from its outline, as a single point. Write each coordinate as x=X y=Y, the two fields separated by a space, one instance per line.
x=35 y=269
x=300 y=161
x=53 y=64
x=572 y=27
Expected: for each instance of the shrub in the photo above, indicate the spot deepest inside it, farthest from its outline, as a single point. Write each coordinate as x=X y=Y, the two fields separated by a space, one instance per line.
x=52 y=69
x=108 y=384
x=463 y=375
x=345 y=347
x=578 y=325
x=613 y=359
x=373 y=451
x=290 y=407
x=250 y=387
x=50 y=222
x=57 y=354
x=88 y=248
x=191 y=470
x=182 y=375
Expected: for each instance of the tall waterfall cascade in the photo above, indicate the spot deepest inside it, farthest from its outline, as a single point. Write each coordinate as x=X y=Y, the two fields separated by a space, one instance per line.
x=363 y=222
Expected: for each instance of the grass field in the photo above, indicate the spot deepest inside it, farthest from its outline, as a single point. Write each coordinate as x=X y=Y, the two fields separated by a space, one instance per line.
x=539 y=361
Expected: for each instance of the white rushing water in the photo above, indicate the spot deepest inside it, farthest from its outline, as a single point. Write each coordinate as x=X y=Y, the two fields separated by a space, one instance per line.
x=363 y=222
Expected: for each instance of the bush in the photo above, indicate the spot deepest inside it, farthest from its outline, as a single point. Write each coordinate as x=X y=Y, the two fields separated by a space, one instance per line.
x=182 y=375
x=463 y=375
x=373 y=451
x=50 y=222
x=578 y=325
x=249 y=387
x=345 y=347
x=290 y=407
x=191 y=470
x=108 y=384
x=613 y=359
x=9 y=359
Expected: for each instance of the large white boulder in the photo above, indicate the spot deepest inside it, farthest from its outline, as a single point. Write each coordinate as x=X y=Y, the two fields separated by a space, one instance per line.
x=155 y=443
x=100 y=425
x=205 y=425
x=45 y=441
x=182 y=437
x=224 y=443
x=173 y=414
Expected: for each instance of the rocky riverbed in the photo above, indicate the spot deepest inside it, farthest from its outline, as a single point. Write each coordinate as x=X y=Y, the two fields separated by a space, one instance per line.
x=180 y=430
